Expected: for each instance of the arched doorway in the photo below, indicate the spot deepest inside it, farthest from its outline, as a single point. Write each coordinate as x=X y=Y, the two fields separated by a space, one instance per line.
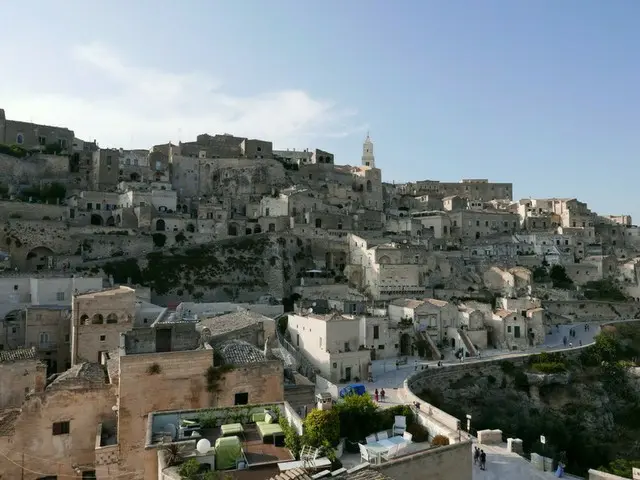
x=318 y=223
x=40 y=258
x=160 y=225
x=453 y=343
x=111 y=222
x=232 y=230
x=257 y=229
x=96 y=219
x=135 y=177
x=191 y=228
x=405 y=344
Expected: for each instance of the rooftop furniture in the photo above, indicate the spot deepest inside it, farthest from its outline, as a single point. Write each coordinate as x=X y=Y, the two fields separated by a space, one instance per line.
x=231 y=429
x=408 y=437
x=187 y=428
x=311 y=464
x=228 y=452
x=400 y=425
x=372 y=439
x=389 y=454
x=383 y=435
x=381 y=447
x=267 y=429
x=367 y=455
x=309 y=453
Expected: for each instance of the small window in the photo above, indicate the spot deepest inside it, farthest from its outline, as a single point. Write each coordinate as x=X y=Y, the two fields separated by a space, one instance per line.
x=103 y=338
x=241 y=399
x=66 y=338
x=42 y=140
x=15 y=287
x=376 y=332
x=89 y=475
x=380 y=347
x=60 y=428
x=60 y=296
x=335 y=365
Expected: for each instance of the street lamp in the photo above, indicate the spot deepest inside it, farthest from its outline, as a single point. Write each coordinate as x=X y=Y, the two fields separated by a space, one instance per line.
x=469 y=423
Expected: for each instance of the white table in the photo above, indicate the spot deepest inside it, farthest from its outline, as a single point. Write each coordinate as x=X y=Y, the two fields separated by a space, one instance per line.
x=383 y=446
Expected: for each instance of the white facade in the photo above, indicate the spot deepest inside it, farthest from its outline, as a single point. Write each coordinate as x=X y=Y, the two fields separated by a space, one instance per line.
x=274 y=206
x=331 y=343
x=19 y=292
x=134 y=158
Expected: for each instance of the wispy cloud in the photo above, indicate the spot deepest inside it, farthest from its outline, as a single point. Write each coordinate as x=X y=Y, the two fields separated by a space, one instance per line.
x=132 y=105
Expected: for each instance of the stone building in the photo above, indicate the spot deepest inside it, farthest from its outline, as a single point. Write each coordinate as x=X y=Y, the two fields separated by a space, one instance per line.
x=21 y=374
x=98 y=319
x=32 y=135
x=48 y=329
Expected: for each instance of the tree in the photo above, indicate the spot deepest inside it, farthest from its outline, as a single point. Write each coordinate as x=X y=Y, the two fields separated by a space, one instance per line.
x=322 y=426
x=560 y=278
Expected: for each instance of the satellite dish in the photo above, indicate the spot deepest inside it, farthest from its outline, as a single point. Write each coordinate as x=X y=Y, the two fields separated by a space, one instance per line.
x=310 y=310
x=313 y=304
x=203 y=446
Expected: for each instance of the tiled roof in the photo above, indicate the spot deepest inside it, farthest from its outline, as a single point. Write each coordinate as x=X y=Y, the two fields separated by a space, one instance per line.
x=406 y=303
x=18 y=354
x=502 y=313
x=238 y=352
x=7 y=421
x=231 y=322
x=436 y=303
x=82 y=374
x=358 y=473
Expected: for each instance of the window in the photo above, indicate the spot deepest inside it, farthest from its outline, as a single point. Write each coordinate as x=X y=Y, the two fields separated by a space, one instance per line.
x=135 y=162
x=60 y=428
x=103 y=338
x=15 y=287
x=66 y=338
x=19 y=139
x=42 y=140
x=376 y=332
x=44 y=338
x=60 y=296
x=108 y=160
x=128 y=161
x=320 y=339
x=158 y=165
x=516 y=332
x=241 y=399
x=89 y=206
x=509 y=329
x=89 y=475
x=380 y=347
x=346 y=346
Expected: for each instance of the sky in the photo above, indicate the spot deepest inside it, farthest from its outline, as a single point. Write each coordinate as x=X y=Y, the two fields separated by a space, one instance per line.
x=541 y=93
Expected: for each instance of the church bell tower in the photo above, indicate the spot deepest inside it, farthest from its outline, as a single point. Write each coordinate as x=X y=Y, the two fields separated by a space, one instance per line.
x=368 y=160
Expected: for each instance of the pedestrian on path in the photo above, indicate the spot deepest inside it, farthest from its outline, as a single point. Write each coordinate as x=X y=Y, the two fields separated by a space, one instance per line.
x=376 y=394
x=483 y=460
x=382 y=394
x=476 y=456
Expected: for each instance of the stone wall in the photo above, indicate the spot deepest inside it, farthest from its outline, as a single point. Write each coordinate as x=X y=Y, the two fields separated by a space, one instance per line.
x=18 y=379
x=32 y=168
x=262 y=381
x=180 y=384
x=56 y=454
x=583 y=310
x=598 y=475
x=452 y=462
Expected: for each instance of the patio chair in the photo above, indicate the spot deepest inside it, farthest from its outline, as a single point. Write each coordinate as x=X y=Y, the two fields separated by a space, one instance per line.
x=371 y=439
x=401 y=449
x=383 y=435
x=367 y=456
x=400 y=425
x=389 y=454
x=408 y=437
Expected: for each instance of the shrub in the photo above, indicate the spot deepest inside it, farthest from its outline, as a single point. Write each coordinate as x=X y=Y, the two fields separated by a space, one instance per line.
x=549 y=367
x=439 y=441
x=491 y=379
x=291 y=438
x=419 y=433
x=358 y=416
x=321 y=426
x=159 y=239
x=190 y=469
x=154 y=369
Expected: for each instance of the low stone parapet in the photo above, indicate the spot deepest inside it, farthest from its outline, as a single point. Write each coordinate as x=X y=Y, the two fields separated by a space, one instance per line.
x=490 y=437
x=514 y=445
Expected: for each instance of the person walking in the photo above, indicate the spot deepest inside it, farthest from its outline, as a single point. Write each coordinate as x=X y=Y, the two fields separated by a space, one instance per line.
x=483 y=460
x=376 y=395
x=476 y=456
x=382 y=394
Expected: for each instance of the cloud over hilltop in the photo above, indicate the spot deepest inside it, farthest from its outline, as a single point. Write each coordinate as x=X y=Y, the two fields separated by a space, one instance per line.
x=103 y=95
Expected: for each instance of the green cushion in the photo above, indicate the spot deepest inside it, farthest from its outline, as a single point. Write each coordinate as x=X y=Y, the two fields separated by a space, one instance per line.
x=268 y=418
x=188 y=423
x=231 y=429
x=258 y=417
x=268 y=429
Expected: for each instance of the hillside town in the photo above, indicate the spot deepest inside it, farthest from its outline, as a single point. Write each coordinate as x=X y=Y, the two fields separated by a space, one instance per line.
x=197 y=310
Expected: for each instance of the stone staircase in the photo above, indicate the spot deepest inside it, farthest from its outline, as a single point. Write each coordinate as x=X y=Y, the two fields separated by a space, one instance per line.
x=435 y=352
x=467 y=342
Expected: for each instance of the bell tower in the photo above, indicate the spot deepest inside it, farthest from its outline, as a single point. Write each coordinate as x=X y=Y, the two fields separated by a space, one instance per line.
x=368 y=160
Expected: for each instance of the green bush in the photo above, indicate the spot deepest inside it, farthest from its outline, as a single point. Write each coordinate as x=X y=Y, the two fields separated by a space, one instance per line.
x=549 y=367
x=322 y=426
x=419 y=433
x=159 y=239
x=291 y=438
x=190 y=469
x=358 y=416
x=13 y=150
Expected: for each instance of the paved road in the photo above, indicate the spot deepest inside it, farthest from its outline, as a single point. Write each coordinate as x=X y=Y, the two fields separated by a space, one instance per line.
x=386 y=375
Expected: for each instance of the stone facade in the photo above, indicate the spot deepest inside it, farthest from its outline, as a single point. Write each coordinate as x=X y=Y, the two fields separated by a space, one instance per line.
x=32 y=135
x=21 y=375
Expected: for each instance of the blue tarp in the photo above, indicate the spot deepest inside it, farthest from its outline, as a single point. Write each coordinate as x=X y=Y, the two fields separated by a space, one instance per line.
x=353 y=389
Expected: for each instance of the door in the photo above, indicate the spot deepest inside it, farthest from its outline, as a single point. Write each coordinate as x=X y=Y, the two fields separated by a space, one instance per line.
x=163 y=340
x=347 y=374
x=516 y=331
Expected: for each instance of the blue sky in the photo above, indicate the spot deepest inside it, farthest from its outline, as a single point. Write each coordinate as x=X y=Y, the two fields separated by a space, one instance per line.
x=542 y=93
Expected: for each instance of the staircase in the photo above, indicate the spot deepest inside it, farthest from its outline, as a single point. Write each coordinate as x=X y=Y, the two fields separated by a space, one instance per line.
x=435 y=352
x=467 y=343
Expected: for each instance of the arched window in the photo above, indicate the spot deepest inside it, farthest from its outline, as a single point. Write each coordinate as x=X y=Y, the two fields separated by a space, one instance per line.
x=44 y=338
x=19 y=139
x=84 y=320
x=97 y=319
x=112 y=318
x=160 y=225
